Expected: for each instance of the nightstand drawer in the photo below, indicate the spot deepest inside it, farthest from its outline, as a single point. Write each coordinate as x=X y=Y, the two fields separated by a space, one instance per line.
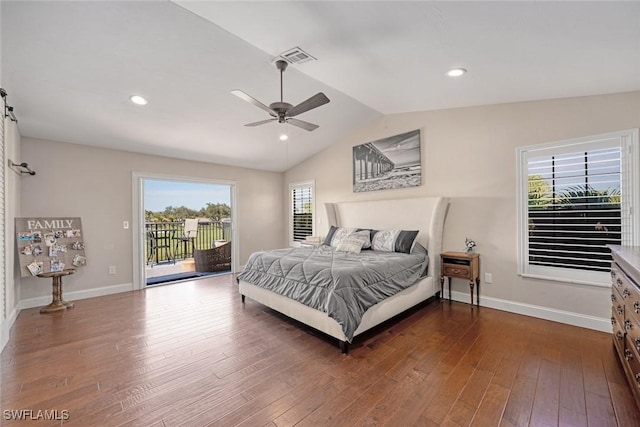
x=460 y=271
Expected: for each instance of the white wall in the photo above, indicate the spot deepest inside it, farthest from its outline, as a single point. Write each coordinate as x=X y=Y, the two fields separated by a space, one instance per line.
x=11 y=286
x=96 y=185
x=12 y=206
x=468 y=154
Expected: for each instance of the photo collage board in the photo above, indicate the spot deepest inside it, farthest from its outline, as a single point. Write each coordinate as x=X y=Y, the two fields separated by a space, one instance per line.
x=48 y=245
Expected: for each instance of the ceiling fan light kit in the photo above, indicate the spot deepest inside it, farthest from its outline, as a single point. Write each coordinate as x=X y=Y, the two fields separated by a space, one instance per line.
x=281 y=111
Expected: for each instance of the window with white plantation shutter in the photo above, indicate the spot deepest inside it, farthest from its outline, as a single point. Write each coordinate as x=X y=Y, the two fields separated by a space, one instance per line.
x=302 y=210
x=575 y=198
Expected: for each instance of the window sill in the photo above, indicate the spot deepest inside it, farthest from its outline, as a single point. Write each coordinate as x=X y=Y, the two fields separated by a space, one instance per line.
x=566 y=280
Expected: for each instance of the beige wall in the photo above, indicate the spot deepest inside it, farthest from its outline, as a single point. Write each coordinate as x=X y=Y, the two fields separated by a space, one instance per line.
x=96 y=185
x=468 y=154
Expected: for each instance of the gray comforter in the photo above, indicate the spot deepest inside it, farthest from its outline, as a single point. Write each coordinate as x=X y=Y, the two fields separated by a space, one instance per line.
x=342 y=284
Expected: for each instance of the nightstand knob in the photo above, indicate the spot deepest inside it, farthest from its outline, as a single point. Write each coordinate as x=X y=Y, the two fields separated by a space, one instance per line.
x=638 y=343
x=620 y=310
x=613 y=320
x=613 y=273
x=626 y=293
x=613 y=298
x=619 y=281
x=638 y=378
x=628 y=355
x=620 y=335
x=636 y=307
x=628 y=325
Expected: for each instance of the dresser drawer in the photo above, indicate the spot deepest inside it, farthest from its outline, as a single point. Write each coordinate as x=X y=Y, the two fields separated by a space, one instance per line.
x=633 y=362
x=617 y=278
x=618 y=310
x=618 y=323
x=631 y=297
x=460 y=271
x=632 y=328
x=625 y=287
x=616 y=298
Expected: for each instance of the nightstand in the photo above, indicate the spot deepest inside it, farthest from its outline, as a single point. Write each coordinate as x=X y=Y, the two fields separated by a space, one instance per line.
x=461 y=265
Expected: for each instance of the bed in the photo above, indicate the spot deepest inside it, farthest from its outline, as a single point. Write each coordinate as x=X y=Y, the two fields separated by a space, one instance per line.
x=424 y=214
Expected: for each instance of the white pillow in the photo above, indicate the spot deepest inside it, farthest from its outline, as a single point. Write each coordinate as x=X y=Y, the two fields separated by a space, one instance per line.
x=385 y=240
x=341 y=234
x=353 y=245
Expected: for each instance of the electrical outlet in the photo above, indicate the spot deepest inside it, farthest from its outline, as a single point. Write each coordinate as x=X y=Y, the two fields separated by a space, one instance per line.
x=125 y=224
x=488 y=277
x=112 y=269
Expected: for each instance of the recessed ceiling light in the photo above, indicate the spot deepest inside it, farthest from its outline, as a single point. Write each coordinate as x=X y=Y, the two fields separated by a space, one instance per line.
x=283 y=137
x=456 y=72
x=139 y=100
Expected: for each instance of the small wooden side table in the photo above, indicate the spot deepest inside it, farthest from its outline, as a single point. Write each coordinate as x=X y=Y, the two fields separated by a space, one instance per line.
x=461 y=265
x=57 y=303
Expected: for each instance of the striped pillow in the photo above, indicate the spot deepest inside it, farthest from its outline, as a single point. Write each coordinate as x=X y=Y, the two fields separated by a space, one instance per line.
x=393 y=240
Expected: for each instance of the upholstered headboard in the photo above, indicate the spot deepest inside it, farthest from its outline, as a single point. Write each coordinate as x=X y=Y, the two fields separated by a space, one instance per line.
x=426 y=214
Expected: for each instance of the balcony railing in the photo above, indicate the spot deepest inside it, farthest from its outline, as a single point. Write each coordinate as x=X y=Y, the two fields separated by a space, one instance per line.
x=164 y=240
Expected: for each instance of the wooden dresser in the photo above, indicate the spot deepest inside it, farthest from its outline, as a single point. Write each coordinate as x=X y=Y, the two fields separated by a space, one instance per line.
x=625 y=311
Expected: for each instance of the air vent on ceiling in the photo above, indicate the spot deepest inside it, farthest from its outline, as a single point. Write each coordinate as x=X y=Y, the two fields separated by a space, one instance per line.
x=296 y=56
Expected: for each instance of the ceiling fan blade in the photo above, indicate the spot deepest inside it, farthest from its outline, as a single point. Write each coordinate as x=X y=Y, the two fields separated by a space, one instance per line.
x=314 y=102
x=240 y=94
x=302 y=124
x=261 y=122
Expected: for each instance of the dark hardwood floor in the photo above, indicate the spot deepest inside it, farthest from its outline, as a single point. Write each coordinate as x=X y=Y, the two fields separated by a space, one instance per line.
x=191 y=354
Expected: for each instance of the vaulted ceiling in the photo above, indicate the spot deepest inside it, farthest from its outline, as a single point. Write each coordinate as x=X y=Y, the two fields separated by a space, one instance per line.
x=70 y=67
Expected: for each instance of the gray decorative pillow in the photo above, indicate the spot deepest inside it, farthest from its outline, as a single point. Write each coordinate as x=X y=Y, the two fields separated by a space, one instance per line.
x=393 y=240
x=327 y=240
x=364 y=235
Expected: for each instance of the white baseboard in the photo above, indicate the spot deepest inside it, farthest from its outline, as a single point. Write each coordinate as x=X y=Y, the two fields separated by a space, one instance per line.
x=568 y=317
x=5 y=327
x=76 y=295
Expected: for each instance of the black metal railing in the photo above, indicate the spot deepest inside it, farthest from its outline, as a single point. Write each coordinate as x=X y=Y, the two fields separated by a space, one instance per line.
x=166 y=241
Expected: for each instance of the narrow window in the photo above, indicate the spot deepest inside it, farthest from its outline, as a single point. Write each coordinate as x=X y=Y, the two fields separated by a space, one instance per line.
x=302 y=210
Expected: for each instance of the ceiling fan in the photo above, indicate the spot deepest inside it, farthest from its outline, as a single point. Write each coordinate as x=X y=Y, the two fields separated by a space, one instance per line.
x=282 y=111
